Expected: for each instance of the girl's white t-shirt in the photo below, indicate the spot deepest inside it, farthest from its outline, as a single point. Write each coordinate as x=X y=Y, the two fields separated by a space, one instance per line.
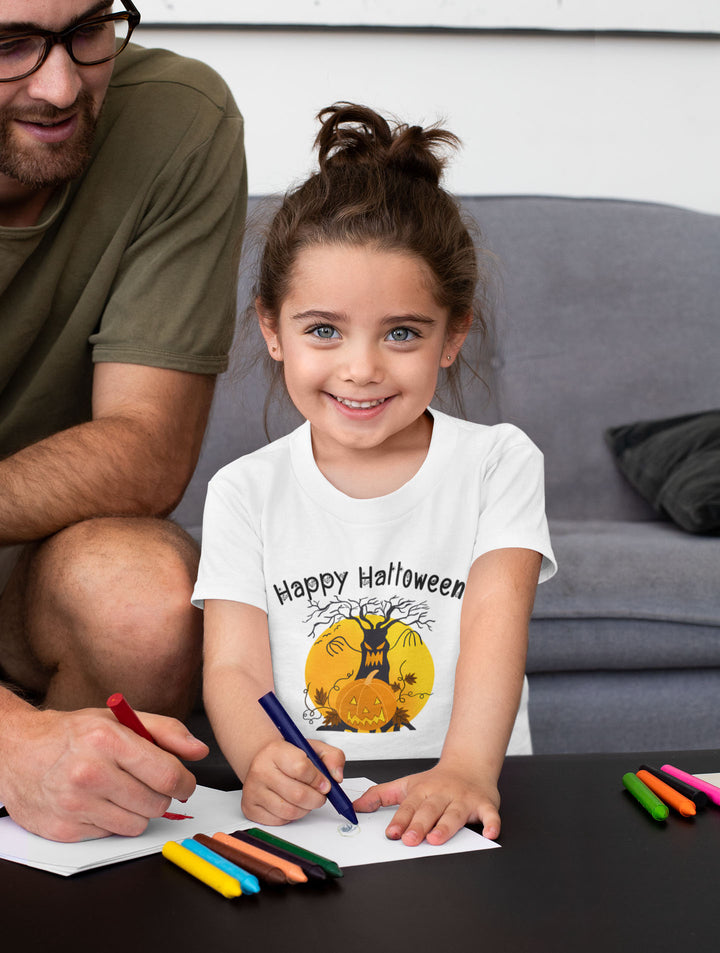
x=363 y=596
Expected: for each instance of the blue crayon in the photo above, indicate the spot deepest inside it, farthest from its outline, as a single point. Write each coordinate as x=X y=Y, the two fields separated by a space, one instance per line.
x=248 y=882
x=285 y=725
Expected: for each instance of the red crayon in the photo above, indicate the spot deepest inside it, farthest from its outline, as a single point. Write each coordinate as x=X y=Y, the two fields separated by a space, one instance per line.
x=127 y=717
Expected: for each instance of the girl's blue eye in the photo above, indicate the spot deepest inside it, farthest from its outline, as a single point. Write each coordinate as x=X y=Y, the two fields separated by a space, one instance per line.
x=401 y=335
x=323 y=331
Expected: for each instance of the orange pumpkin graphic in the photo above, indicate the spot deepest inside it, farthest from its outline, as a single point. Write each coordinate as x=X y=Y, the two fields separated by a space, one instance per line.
x=366 y=704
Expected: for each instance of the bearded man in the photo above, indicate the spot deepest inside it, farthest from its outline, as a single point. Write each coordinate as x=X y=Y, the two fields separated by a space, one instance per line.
x=122 y=202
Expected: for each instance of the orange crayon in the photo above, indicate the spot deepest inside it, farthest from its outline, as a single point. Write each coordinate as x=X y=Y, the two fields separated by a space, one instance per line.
x=672 y=797
x=263 y=871
x=293 y=872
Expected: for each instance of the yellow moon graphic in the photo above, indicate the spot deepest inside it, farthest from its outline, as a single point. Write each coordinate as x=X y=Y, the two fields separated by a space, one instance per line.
x=334 y=661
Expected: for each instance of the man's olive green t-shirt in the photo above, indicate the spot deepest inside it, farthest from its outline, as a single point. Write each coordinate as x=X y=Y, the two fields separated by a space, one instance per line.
x=135 y=262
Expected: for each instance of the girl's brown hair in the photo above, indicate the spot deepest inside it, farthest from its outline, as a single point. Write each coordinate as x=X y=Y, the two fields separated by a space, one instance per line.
x=377 y=185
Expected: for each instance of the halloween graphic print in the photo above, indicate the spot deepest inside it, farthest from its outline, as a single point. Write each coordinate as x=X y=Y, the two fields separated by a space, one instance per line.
x=368 y=669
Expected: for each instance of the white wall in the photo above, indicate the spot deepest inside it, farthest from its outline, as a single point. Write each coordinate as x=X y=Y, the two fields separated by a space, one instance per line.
x=550 y=113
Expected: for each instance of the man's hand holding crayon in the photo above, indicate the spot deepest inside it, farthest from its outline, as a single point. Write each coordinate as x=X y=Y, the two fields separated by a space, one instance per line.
x=91 y=776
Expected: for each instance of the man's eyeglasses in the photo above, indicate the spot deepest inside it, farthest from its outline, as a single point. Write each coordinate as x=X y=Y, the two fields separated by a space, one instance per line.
x=92 y=41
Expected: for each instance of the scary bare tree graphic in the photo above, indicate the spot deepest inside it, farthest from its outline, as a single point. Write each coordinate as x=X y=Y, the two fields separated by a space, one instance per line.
x=373 y=666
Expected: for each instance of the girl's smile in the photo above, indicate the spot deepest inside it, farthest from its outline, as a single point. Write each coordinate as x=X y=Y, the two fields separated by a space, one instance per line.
x=360 y=404
x=362 y=340
x=360 y=409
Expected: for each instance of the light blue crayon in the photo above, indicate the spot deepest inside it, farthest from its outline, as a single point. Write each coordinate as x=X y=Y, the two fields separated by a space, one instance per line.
x=248 y=882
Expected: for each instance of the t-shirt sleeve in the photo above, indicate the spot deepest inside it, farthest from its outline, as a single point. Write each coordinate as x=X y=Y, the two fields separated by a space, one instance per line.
x=231 y=561
x=173 y=301
x=512 y=513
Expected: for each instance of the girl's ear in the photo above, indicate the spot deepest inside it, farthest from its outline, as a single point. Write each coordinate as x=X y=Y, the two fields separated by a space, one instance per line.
x=268 y=329
x=455 y=340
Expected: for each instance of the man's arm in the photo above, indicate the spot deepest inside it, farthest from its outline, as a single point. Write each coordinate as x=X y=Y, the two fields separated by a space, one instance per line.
x=134 y=458
x=87 y=775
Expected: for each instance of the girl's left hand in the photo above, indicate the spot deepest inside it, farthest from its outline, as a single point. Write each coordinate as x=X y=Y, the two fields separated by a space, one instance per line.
x=435 y=804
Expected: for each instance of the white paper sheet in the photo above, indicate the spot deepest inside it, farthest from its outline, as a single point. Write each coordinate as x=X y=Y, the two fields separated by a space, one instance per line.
x=710 y=778
x=215 y=811
x=319 y=832
x=207 y=806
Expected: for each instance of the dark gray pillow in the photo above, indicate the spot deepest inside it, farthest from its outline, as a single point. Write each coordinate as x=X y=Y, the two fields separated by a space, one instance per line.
x=675 y=465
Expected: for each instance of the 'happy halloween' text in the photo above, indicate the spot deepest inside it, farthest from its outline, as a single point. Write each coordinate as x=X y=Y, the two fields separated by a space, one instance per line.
x=395 y=574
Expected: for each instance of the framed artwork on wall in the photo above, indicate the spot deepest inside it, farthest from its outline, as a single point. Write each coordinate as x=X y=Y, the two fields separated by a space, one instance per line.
x=690 y=16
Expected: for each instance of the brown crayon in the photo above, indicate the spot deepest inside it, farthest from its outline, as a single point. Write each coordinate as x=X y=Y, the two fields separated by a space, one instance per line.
x=313 y=871
x=263 y=871
x=293 y=873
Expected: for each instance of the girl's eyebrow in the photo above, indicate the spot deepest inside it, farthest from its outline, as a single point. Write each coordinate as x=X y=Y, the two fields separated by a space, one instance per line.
x=412 y=318
x=326 y=316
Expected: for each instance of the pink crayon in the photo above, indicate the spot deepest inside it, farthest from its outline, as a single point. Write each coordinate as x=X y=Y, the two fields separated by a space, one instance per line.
x=712 y=791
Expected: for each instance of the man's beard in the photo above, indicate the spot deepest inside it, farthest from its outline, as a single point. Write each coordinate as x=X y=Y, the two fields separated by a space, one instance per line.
x=46 y=165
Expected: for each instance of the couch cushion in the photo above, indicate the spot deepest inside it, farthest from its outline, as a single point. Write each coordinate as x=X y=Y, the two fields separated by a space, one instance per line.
x=627 y=595
x=609 y=313
x=650 y=571
x=619 y=645
x=675 y=465
x=629 y=711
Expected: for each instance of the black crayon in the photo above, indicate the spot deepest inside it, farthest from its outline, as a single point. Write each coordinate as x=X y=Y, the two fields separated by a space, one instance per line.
x=698 y=797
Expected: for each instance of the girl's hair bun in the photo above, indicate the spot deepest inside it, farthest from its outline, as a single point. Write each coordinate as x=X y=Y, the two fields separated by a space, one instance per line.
x=378 y=185
x=352 y=134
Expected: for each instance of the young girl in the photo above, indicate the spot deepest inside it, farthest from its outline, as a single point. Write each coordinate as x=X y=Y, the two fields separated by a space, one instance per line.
x=377 y=567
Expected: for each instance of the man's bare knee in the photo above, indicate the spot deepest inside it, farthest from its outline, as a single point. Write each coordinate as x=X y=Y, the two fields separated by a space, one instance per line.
x=100 y=561
x=111 y=610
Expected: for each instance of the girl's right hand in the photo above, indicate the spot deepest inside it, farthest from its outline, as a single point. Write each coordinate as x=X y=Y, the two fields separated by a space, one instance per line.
x=283 y=785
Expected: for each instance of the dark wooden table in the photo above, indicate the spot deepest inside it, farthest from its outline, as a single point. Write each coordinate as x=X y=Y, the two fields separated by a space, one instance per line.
x=582 y=867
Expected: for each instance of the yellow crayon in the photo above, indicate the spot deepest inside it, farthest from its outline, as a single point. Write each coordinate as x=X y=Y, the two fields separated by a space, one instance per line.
x=217 y=879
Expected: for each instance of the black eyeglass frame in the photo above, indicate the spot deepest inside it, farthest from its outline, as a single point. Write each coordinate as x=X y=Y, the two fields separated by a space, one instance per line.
x=132 y=16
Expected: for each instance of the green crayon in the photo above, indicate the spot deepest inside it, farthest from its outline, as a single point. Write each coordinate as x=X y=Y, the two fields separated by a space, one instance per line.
x=642 y=793
x=329 y=866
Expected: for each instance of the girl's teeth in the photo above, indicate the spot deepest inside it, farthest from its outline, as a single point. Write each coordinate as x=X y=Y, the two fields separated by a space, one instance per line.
x=360 y=404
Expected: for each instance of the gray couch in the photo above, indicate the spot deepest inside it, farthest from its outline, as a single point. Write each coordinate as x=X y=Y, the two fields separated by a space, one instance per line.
x=608 y=313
